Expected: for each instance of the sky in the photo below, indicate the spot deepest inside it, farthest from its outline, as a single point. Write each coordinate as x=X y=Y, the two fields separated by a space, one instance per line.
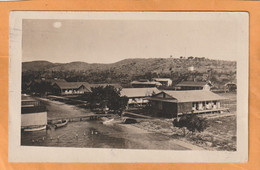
x=109 y=41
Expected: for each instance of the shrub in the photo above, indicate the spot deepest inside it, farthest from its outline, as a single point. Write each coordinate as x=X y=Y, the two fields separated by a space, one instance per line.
x=191 y=122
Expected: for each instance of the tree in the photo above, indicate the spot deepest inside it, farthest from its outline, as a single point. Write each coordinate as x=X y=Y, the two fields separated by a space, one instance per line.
x=108 y=96
x=191 y=122
x=41 y=88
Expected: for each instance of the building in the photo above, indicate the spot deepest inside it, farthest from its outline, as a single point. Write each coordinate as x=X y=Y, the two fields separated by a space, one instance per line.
x=191 y=68
x=117 y=86
x=163 y=81
x=171 y=103
x=144 y=84
x=33 y=114
x=137 y=96
x=76 y=88
x=231 y=86
x=71 y=88
x=193 y=85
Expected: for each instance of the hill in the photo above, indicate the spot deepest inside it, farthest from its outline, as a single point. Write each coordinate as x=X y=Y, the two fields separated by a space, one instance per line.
x=37 y=65
x=127 y=70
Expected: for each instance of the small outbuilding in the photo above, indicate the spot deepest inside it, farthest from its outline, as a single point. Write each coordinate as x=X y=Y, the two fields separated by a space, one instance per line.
x=170 y=103
x=163 y=81
x=231 y=86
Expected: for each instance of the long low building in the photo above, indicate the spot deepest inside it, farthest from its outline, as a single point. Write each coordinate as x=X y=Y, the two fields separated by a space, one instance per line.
x=145 y=84
x=192 y=85
x=71 y=88
x=137 y=96
x=170 y=103
x=76 y=88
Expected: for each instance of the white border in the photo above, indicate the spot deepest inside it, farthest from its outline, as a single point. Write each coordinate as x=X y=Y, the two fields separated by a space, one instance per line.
x=19 y=153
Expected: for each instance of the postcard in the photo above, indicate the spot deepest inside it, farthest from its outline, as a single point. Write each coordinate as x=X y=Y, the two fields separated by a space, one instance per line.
x=128 y=86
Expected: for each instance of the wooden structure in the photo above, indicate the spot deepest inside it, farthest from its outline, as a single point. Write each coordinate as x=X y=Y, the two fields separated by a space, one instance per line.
x=193 y=85
x=137 y=96
x=33 y=114
x=164 y=81
x=71 y=88
x=173 y=103
x=76 y=88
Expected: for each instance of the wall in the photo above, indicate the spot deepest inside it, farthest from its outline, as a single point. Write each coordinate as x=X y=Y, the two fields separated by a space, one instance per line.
x=165 y=109
x=34 y=119
x=170 y=109
x=184 y=107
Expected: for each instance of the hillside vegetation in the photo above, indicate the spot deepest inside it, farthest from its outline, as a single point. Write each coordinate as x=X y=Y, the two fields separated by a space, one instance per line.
x=125 y=71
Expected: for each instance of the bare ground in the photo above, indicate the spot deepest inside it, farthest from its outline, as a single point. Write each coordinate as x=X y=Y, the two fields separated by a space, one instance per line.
x=220 y=135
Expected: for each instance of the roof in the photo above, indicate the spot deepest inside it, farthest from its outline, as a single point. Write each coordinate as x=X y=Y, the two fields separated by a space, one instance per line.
x=162 y=79
x=138 y=92
x=71 y=85
x=193 y=95
x=104 y=85
x=192 y=83
x=148 y=82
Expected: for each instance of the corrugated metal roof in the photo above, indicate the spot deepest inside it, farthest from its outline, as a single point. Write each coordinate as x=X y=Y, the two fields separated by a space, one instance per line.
x=194 y=95
x=192 y=84
x=138 y=92
x=104 y=85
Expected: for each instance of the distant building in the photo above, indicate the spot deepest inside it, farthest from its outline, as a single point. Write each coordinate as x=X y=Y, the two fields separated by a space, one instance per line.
x=144 y=84
x=170 y=103
x=76 y=88
x=231 y=86
x=191 y=68
x=117 y=86
x=34 y=115
x=193 y=85
x=71 y=88
x=163 y=81
x=137 y=96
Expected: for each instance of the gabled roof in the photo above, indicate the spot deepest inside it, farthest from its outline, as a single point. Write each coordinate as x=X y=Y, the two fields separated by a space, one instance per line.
x=118 y=86
x=192 y=84
x=138 y=92
x=71 y=85
x=192 y=95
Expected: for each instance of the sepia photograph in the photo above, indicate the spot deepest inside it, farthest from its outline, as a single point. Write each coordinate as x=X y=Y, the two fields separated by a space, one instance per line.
x=126 y=81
